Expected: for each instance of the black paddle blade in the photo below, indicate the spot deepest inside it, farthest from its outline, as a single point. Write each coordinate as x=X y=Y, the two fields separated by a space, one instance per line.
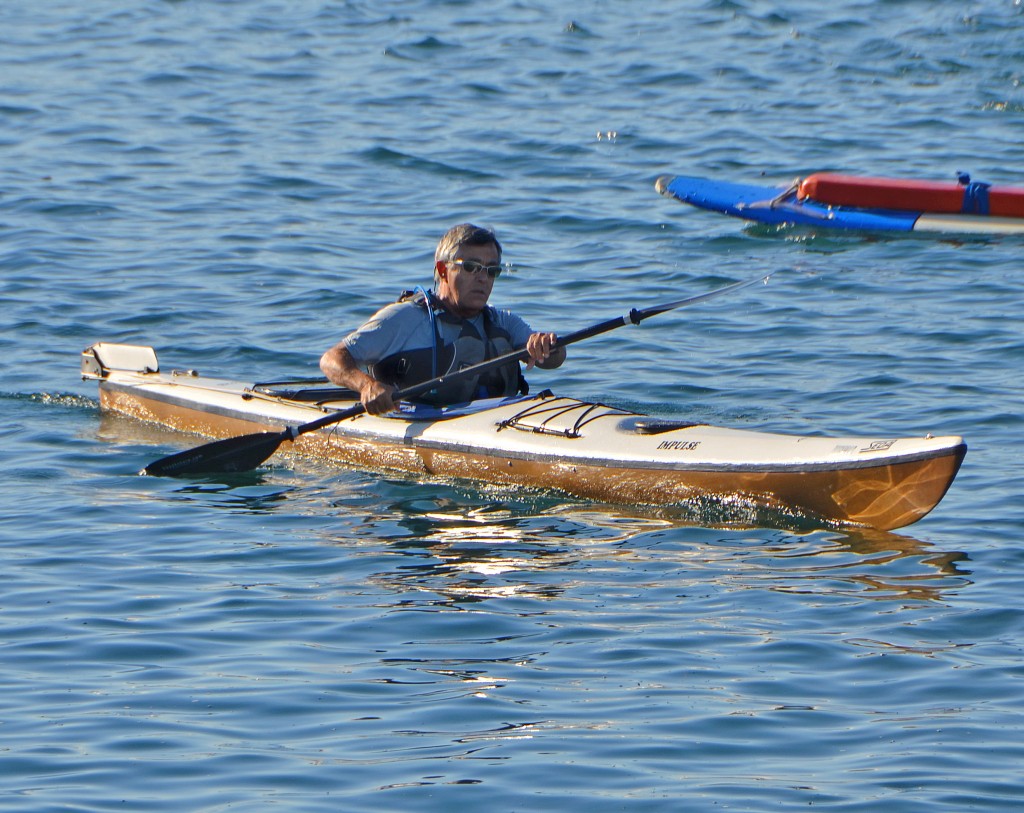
x=241 y=453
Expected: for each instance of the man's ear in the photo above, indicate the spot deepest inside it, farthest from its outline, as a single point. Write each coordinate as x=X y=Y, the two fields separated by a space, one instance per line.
x=441 y=267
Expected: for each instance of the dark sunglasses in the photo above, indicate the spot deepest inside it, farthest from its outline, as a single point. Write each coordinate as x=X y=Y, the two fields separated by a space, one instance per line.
x=474 y=268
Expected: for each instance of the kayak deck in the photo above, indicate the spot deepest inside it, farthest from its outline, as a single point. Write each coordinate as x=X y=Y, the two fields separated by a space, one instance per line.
x=588 y=450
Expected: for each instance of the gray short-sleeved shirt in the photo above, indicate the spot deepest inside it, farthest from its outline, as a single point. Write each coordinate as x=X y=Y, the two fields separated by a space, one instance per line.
x=405 y=326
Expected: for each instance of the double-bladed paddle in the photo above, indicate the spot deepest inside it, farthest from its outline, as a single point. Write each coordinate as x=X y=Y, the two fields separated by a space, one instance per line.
x=246 y=452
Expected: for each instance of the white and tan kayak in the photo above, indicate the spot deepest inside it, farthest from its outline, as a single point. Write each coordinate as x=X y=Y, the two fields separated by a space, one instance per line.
x=589 y=450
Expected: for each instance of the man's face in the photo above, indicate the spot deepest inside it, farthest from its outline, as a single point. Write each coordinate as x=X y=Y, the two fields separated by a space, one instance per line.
x=467 y=293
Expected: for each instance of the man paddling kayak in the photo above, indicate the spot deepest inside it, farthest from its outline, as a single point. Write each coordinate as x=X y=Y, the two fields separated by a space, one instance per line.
x=427 y=334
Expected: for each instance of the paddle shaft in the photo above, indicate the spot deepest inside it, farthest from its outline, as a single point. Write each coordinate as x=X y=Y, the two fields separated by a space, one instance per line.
x=476 y=369
x=634 y=317
x=248 y=451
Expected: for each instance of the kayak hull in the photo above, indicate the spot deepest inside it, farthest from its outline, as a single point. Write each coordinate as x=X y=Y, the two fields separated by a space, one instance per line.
x=588 y=450
x=782 y=205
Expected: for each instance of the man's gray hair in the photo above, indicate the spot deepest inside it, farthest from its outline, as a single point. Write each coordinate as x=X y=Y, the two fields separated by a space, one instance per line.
x=465 y=234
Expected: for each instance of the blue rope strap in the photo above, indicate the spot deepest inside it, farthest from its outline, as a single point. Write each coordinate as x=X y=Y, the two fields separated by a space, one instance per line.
x=975 y=195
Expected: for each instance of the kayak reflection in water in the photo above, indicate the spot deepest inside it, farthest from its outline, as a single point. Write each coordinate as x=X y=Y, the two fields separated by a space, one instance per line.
x=426 y=334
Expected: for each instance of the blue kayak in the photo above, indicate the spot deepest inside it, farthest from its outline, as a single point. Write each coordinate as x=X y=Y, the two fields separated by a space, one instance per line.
x=781 y=205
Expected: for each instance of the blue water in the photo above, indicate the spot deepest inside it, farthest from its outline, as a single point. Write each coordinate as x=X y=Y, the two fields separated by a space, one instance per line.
x=237 y=184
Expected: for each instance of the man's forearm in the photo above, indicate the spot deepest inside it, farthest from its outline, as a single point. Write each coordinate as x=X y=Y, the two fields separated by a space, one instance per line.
x=341 y=369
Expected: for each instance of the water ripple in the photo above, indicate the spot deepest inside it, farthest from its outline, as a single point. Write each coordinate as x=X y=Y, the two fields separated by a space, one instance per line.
x=238 y=186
